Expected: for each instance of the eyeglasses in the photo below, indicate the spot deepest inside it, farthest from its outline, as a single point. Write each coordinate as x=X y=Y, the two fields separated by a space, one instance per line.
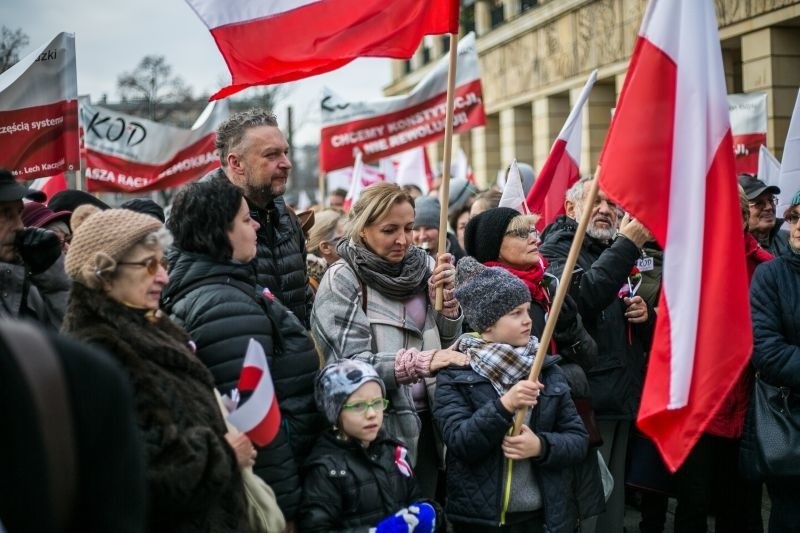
x=523 y=233
x=764 y=202
x=361 y=408
x=792 y=218
x=151 y=264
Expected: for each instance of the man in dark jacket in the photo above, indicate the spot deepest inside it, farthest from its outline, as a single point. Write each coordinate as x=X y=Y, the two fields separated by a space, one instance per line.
x=33 y=283
x=621 y=324
x=254 y=156
x=763 y=223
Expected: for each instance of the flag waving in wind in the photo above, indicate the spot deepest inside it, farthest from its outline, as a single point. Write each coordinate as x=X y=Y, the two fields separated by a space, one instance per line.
x=668 y=160
x=562 y=168
x=513 y=193
x=259 y=416
x=271 y=42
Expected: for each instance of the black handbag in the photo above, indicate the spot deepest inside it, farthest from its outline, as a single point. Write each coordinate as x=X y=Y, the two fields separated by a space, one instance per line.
x=771 y=441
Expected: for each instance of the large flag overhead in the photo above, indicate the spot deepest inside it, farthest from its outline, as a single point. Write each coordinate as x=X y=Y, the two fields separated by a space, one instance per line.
x=389 y=126
x=679 y=180
x=39 y=112
x=131 y=154
x=562 y=168
x=789 y=178
x=270 y=41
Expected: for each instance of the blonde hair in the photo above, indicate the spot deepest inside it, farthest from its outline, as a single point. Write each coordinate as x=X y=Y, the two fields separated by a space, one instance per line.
x=375 y=203
x=324 y=228
x=521 y=222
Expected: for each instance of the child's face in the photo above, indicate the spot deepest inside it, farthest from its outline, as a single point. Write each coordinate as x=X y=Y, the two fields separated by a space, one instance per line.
x=358 y=423
x=513 y=328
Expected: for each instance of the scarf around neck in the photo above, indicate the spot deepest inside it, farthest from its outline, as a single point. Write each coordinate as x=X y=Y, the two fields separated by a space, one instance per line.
x=532 y=278
x=393 y=280
x=502 y=364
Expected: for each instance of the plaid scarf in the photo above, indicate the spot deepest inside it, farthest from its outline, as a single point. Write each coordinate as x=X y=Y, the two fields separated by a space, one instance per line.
x=502 y=364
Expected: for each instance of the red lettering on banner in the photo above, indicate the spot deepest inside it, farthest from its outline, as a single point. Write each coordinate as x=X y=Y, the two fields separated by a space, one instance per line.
x=392 y=133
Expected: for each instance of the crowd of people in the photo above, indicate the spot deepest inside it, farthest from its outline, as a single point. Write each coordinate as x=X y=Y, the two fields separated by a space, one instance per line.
x=395 y=416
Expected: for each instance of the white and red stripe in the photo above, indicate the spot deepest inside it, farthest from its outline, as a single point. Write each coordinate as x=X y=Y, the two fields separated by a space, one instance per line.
x=50 y=185
x=513 y=193
x=789 y=178
x=412 y=167
x=259 y=417
x=668 y=161
x=562 y=168
x=276 y=41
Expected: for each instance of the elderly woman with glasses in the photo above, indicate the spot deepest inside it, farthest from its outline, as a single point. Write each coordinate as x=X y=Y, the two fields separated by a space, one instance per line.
x=116 y=262
x=505 y=238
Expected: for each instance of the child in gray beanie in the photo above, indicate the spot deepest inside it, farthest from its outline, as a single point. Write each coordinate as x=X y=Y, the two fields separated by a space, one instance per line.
x=523 y=479
x=357 y=476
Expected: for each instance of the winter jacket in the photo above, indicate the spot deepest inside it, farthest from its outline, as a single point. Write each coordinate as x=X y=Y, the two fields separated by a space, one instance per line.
x=617 y=379
x=774 y=301
x=41 y=297
x=221 y=319
x=342 y=330
x=473 y=423
x=193 y=480
x=778 y=239
x=347 y=487
x=280 y=255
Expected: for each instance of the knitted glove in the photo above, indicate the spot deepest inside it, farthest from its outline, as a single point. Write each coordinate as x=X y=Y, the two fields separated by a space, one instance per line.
x=416 y=518
x=39 y=248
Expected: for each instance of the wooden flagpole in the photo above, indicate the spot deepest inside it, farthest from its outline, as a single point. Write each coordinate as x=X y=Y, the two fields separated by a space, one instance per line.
x=444 y=190
x=561 y=293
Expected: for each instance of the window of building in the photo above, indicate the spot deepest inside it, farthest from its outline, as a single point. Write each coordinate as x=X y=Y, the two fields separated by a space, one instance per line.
x=496 y=10
x=528 y=4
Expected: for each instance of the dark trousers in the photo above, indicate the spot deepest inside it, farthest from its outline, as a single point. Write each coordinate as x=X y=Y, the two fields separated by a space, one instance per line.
x=785 y=514
x=710 y=475
x=531 y=525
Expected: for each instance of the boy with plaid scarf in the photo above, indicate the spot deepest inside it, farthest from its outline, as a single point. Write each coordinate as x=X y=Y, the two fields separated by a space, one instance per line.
x=495 y=481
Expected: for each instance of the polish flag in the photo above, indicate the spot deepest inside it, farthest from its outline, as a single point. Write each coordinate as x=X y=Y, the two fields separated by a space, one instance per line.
x=769 y=169
x=513 y=192
x=668 y=160
x=413 y=168
x=356 y=184
x=789 y=178
x=50 y=185
x=259 y=417
x=562 y=168
x=270 y=41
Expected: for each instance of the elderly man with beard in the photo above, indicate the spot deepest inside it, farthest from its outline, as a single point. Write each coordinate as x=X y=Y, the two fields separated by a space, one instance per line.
x=604 y=285
x=254 y=156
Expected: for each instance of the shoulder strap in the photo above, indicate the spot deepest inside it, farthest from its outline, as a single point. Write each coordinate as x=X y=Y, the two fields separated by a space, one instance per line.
x=42 y=371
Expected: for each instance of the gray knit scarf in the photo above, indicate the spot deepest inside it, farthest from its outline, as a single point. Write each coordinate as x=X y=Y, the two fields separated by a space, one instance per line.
x=398 y=281
x=502 y=364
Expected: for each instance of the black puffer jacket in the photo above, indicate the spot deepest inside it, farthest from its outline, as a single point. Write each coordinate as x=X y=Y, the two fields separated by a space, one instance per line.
x=616 y=380
x=350 y=488
x=194 y=483
x=281 y=255
x=221 y=319
x=473 y=423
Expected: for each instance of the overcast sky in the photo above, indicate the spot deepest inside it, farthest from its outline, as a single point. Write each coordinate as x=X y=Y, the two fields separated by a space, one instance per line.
x=111 y=37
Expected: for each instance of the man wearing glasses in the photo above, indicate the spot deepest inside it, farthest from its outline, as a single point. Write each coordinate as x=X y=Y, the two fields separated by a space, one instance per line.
x=763 y=223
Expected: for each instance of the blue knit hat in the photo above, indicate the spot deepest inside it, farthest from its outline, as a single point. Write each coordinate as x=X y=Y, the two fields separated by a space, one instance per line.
x=337 y=381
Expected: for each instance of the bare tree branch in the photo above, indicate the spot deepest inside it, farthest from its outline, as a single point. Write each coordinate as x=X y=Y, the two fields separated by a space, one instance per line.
x=11 y=43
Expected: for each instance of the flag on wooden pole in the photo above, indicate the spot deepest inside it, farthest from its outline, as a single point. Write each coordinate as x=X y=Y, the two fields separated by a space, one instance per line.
x=513 y=192
x=678 y=179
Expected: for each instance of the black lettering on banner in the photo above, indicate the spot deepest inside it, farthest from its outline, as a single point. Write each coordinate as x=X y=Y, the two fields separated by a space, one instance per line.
x=107 y=128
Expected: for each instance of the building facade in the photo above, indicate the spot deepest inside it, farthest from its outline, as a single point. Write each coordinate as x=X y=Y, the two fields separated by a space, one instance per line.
x=535 y=57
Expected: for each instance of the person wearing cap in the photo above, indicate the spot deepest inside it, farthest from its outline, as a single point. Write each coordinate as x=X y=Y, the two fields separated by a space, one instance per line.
x=146 y=206
x=376 y=305
x=36 y=215
x=71 y=199
x=33 y=284
x=774 y=304
x=254 y=156
x=496 y=481
x=462 y=193
x=426 y=228
x=619 y=320
x=763 y=222
x=357 y=475
x=116 y=262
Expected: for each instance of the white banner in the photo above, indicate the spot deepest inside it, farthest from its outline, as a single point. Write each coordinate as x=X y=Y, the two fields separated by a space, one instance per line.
x=749 y=128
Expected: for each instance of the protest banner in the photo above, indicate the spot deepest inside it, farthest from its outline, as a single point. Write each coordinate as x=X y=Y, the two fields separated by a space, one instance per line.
x=130 y=154
x=39 y=112
x=388 y=126
x=749 y=128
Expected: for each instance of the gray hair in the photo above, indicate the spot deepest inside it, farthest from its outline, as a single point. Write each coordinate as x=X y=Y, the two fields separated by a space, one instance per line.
x=161 y=238
x=230 y=132
x=575 y=193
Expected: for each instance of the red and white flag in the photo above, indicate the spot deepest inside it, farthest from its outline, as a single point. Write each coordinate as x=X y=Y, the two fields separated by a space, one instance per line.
x=412 y=167
x=39 y=112
x=513 y=192
x=50 y=185
x=125 y=153
x=749 y=128
x=273 y=41
x=259 y=417
x=789 y=178
x=562 y=168
x=769 y=168
x=668 y=160
x=356 y=185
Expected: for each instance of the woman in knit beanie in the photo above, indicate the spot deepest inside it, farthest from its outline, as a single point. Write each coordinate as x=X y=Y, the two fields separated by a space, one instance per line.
x=116 y=261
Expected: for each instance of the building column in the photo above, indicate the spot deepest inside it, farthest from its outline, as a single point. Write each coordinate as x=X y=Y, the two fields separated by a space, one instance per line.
x=596 y=119
x=486 y=151
x=511 y=8
x=549 y=115
x=483 y=16
x=771 y=63
x=516 y=135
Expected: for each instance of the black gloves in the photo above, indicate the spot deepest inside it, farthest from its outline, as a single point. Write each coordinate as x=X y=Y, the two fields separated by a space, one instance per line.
x=568 y=314
x=39 y=248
